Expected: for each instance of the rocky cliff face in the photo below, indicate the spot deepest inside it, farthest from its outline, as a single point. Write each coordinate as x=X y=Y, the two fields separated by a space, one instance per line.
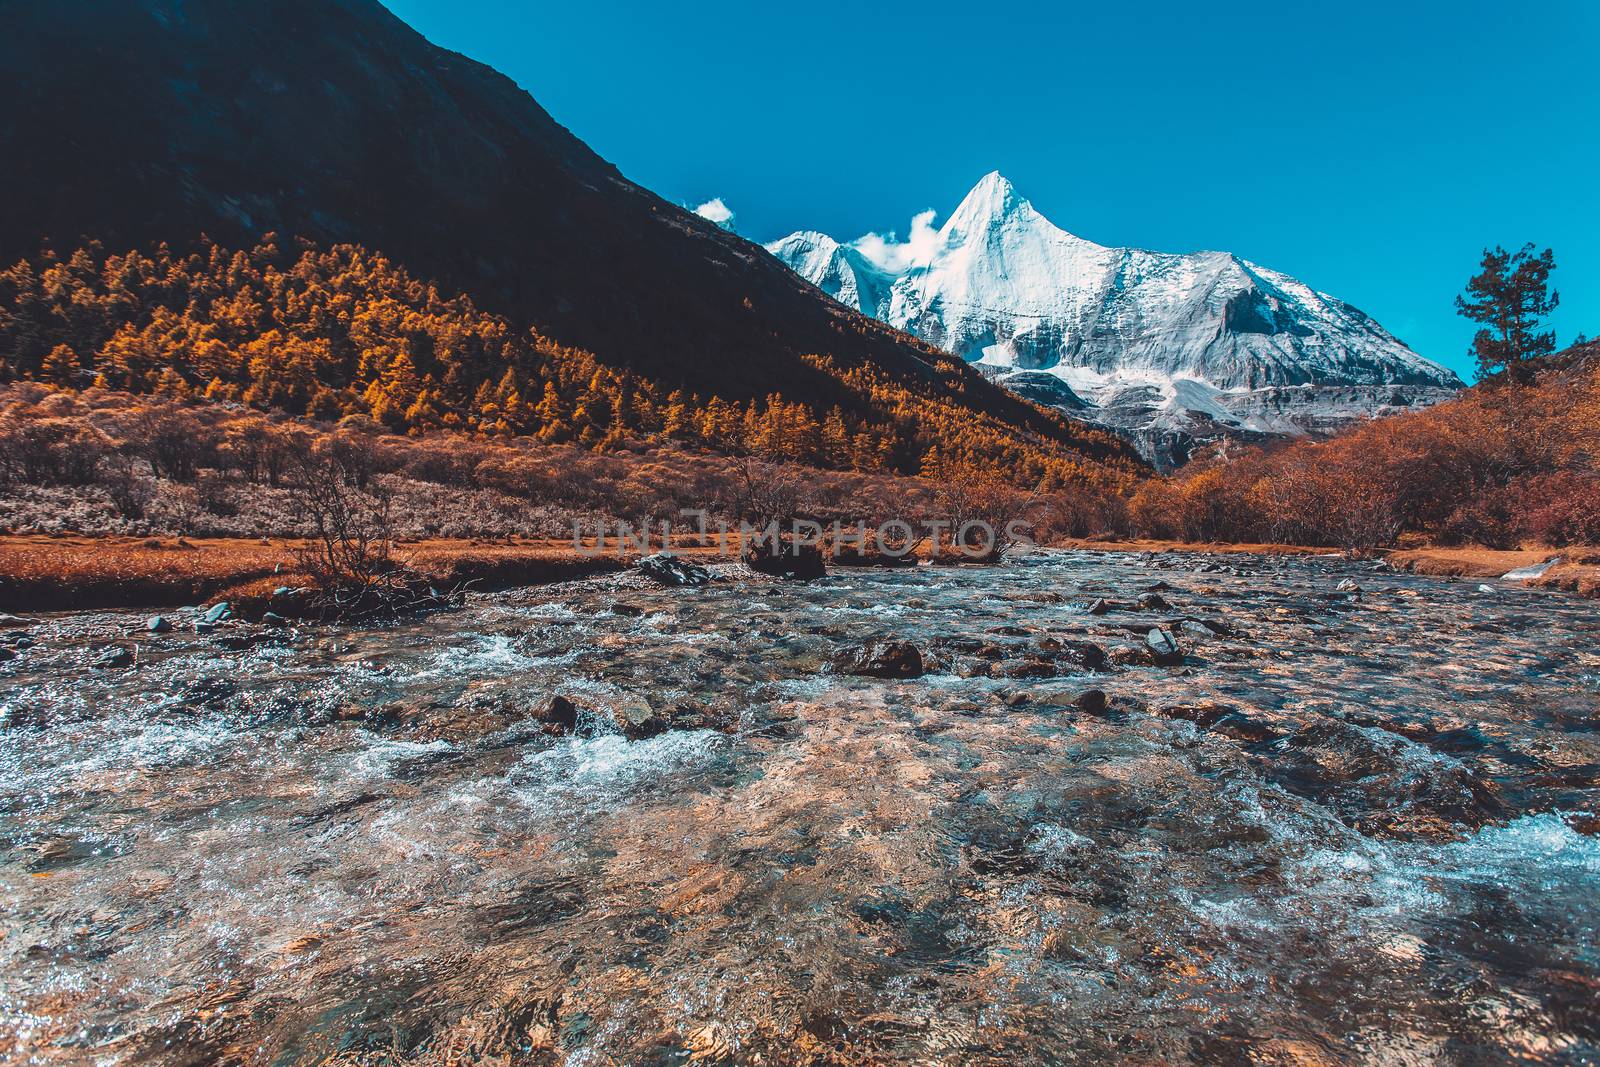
x=1168 y=348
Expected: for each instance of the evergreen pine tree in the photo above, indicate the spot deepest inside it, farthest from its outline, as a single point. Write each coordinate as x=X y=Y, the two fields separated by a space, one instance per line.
x=1511 y=296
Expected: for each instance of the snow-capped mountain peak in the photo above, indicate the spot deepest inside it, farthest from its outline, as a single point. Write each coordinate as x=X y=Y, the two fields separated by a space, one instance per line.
x=993 y=201
x=1000 y=285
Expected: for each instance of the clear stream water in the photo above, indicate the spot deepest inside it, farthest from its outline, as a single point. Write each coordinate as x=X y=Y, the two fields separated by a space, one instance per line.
x=1352 y=830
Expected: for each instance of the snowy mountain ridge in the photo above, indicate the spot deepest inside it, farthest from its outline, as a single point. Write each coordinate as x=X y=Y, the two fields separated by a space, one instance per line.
x=1170 y=348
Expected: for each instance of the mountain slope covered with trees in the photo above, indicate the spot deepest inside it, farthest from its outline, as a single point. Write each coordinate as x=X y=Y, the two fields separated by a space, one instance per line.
x=329 y=333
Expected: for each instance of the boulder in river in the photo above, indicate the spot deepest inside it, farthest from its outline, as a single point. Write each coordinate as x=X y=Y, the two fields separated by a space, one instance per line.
x=638 y=720
x=114 y=656
x=1164 y=647
x=217 y=612
x=558 y=713
x=7 y=655
x=884 y=659
x=1098 y=606
x=1031 y=667
x=668 y=569
x=158 y=624
x=1247 y=727
x=1091 y=702
x=1085 y=654
x=1154 y=602
x=1131 y=655
x=1204 y=714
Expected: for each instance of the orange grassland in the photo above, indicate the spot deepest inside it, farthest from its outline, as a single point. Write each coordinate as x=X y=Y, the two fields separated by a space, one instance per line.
x=42 y=573
x=45 y=573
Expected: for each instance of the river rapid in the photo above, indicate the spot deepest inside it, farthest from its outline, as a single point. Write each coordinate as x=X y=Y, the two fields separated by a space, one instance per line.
x=1351 y=826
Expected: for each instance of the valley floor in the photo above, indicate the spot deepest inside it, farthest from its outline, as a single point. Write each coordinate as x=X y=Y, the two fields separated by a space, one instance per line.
x=41 y=572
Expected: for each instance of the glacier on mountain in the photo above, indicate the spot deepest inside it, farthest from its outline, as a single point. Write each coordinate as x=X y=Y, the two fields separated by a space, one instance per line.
x=1171 y=349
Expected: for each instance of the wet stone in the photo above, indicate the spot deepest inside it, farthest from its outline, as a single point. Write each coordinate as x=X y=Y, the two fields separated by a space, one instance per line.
x=884 y=659
x=558 y=712
x=1024 y=668
x=1091 y=702
x=1245 y=727
x=1163 y=647
x=113 y=657
x=668 y=569
x=637 y=720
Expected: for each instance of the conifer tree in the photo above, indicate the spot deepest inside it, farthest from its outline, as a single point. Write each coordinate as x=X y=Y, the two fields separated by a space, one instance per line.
x=1511 y=297
x=60 y=366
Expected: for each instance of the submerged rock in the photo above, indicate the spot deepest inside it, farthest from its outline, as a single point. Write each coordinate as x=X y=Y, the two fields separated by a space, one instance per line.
x=1248 y=728
x=668 y=569
x=884 y=659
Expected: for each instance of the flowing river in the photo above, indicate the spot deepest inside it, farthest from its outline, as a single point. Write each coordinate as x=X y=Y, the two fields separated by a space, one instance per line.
x=1352 y=826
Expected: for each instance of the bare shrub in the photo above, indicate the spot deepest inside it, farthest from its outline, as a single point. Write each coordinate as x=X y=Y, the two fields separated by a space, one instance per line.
x=350 y=551
x=980 y=512
x=763 y=493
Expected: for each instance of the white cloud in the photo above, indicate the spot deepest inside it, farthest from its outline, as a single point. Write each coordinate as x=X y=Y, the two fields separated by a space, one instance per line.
x=889 y=253
x=715 y=211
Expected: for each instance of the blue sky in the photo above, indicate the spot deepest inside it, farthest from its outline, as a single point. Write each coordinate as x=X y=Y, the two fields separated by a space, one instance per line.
x=1371 y=150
